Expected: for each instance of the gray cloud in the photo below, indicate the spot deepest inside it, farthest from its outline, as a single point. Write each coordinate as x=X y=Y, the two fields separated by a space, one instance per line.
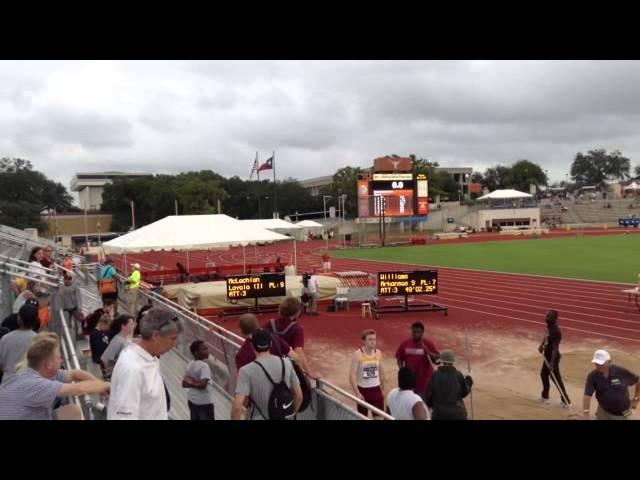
x=317 y=115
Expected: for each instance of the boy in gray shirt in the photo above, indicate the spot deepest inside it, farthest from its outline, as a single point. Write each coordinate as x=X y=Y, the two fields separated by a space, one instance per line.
x=254 y=388
x=197 y=379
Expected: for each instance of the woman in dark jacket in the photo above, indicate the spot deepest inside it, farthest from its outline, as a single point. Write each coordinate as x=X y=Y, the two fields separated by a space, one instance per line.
x=447 y=390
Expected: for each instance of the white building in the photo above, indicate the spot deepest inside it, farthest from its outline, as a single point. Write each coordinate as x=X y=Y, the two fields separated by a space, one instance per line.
x=91 y=185
x=507 y=209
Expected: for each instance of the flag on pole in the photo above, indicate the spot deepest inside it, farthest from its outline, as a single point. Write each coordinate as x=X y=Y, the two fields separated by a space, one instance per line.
x=254 y=169
x=268 y=165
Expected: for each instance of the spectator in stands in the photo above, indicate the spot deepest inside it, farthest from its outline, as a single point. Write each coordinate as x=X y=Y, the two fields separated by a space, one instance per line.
x=550 y=349
x=256 y=380
x=133 y=287
x=310 y=288
x=68 y=262
x=138 y=391
x=197 y=380
x=33 y=391
x=36 y=269
x=402 y=402
x=367 y=373
x=419 y=354
x=120 y=333
x=107 y=283
x=47 y=260
x=99 y=339
x=25 y=294
x=69 y=293
x=14 y=345
x=248 y=324
x=288 y=327
x=611 y=385
x=141 y=313
x=447 y=390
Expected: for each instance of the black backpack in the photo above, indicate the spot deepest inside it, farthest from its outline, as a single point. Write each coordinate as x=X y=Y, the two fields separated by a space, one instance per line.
x=281 y=400
x=305 y=386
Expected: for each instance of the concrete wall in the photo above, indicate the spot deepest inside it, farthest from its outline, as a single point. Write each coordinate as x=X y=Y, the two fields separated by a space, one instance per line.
x=90 y=198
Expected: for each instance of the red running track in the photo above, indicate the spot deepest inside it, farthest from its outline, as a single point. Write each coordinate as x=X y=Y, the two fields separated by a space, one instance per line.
x=478 y=299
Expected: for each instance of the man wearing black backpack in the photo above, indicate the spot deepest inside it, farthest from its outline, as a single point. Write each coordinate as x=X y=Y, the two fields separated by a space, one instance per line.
x=268 y=387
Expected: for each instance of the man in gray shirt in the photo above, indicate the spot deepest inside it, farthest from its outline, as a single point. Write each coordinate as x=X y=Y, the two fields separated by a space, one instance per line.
x=30 y=394
x=14 y=345
x=254 y=388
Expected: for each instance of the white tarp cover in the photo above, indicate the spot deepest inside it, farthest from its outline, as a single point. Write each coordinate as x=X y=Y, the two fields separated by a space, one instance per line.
x=309 y=224
x=273 y=224
x=632 y=186
x=191 y=232
x=504 y=194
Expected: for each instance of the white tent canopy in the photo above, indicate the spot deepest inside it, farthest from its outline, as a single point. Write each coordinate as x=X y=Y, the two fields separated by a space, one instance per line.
x=309 y=224
x=505 y=195
x=191 y=232
x=632 y=186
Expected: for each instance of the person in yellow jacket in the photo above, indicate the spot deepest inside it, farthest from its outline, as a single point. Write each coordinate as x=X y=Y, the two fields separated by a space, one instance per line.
x=133 y=286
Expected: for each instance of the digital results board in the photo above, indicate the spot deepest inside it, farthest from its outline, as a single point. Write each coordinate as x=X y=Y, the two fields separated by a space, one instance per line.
x=256 y=286
x=419 y=282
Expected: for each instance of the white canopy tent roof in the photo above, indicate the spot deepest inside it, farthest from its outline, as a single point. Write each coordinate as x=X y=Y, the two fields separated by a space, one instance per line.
x=505 y=195
x=309 y=224
x=191 y=232
x=632 y=186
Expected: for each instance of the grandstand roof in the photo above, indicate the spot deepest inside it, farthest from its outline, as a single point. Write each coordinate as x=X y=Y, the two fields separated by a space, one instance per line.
x=192 y=232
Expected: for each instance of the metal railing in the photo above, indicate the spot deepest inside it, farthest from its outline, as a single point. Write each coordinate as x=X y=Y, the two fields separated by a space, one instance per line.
x=330 y=402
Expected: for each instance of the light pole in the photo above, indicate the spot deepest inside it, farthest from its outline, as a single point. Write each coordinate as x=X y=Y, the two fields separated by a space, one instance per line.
x=324 y=204
x=98 y=226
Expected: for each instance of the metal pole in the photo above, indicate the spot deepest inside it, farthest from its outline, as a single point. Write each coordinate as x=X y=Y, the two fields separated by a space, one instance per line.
x=275 y=187
x=219 y=207
x=295 y=254
x=133 y=216
x=244 y=261
x=466 y=350
x=176 y=204
x=86 y=228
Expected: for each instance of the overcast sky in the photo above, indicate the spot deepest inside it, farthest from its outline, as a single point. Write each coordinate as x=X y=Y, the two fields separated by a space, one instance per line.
x=150 y=116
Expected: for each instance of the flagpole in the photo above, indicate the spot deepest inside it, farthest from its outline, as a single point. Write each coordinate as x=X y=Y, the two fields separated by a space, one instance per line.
x=275 y=186
x=257 y=167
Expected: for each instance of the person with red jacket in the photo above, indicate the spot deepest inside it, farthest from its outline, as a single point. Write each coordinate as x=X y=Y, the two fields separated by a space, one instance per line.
x=419 y=354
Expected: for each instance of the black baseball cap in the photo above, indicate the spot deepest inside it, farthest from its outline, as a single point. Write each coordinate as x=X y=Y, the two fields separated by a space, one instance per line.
x=261 y=340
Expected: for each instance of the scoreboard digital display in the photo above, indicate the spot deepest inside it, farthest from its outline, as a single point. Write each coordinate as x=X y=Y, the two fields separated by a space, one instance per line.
x=419 y=282
x=256 y=286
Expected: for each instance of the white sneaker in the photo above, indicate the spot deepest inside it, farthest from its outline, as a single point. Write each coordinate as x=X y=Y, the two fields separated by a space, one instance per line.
x=546 y=401
x=565 y=405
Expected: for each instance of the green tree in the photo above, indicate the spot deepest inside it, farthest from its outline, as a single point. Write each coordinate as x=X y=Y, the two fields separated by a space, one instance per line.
x=597 y=166
x=27 y=192
x=524 y=173
x=198 y=193
x=637 y=171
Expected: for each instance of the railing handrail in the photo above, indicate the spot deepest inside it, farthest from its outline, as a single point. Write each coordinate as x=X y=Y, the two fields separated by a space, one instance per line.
x=189 y=315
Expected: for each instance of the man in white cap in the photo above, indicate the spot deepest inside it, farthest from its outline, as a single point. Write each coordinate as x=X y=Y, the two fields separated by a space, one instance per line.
x=133 y=283
x=611 y=385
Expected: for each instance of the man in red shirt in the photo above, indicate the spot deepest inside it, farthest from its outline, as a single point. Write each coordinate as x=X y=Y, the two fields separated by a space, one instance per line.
x=248 y=324
x=418 y=354
x=288 y=327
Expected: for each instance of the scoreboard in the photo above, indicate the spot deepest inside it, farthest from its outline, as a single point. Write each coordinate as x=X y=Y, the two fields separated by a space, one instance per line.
x=419 y=282
x=256 y=286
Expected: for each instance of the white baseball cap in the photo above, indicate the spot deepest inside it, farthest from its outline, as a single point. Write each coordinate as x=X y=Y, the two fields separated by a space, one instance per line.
x=136 y=265
x=600 y=357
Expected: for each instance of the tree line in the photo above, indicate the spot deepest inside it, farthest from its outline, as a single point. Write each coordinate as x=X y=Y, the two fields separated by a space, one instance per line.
x=25 y=193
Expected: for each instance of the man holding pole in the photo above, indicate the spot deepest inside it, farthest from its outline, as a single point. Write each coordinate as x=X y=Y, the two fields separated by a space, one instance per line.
x=550 y=350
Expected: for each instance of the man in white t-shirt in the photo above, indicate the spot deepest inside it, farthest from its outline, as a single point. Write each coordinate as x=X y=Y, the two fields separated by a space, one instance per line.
x=402 y=402
x=310 y=284
x=137 y=389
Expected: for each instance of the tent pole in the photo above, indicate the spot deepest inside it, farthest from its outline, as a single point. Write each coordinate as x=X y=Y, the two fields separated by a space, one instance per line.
x=295 y=254
x=188 y=263
x=255 y=252
x=244 y=261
